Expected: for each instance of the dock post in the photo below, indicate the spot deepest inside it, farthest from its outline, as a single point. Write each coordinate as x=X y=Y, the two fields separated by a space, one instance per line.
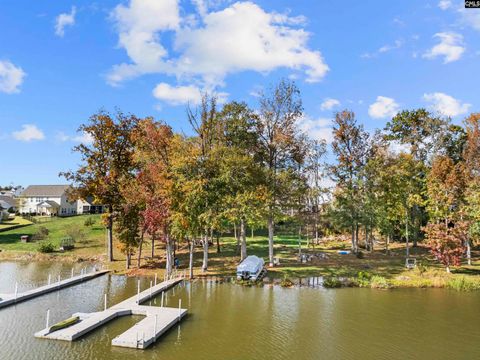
x=16 y=290
x=162 y=299
x=48 y=319
x=179 y=309
x=138 y=291
x=137 y=339
x=151 y=284
x=105 y=302
x=72 y=272
x=49 y=278
x=59 y=280
x=155 y=279
x=155 y=329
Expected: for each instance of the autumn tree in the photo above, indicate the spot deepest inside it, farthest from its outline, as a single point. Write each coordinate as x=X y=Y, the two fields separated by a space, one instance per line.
x=279 y=143
x=106 y=162
x=350 y=146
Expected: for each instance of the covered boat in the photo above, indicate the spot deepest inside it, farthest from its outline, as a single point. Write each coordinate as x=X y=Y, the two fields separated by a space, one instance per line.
x=250 y=268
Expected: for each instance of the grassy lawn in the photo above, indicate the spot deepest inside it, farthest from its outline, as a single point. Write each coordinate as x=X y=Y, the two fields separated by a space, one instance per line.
x=17 y=221
x=390 y=266
x=93 y=244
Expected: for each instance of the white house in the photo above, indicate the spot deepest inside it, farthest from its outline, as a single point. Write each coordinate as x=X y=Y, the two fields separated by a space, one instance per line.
x=53 y=200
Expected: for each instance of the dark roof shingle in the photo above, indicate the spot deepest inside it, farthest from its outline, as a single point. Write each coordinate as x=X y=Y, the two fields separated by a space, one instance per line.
x=45 y=190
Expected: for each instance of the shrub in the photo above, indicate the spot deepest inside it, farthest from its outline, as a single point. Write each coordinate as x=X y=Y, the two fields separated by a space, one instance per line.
x=89 y=221
x=76 y=233
x=332 y=282
x=463 y=284
x=286 y=282
x=41 y=233
x=379 y=282
x=46 y=247
x=363 y=278
x=360 y=255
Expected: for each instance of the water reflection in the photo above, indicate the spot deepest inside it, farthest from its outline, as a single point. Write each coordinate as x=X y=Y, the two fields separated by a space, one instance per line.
x=228 y=321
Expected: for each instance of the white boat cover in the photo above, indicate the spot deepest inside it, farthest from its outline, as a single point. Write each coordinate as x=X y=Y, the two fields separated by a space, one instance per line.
x=252 y=264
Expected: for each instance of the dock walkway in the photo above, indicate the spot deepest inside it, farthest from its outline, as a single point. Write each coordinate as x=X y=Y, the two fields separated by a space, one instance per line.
x=10 y=299
x=144 y=333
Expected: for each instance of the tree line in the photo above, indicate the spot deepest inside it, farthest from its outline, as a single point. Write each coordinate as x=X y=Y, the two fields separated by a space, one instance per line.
x=254 y=168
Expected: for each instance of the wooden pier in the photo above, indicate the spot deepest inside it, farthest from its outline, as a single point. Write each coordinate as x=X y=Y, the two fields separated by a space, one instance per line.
x=144 y=333
x=10 y=299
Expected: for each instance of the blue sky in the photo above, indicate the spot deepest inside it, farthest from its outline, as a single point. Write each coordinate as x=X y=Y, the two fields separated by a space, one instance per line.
x=61 y=61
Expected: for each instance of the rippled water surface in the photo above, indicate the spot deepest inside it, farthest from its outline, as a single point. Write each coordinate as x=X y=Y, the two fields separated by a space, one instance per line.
x=232 y=322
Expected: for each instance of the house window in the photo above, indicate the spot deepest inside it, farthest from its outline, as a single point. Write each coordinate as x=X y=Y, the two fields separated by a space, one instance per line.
x=64 y=211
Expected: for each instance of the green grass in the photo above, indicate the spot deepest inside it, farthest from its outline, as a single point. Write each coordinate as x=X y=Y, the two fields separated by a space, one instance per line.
x=17 y=221
x=94 y=235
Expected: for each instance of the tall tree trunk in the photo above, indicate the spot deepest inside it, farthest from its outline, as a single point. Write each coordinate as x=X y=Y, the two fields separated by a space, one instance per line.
x=190 y=261
x=153 y=246
x=407 y=237
x=387 y=243
x=270 y=239
x=140 y=246
x=469 y=252
x=367 y=244
x=243 y=238
x=218 y=244
x=252 y=232
x=353 y=239
x=128 y=259
x=205 y=252
x=110 y=234
x=168 y=248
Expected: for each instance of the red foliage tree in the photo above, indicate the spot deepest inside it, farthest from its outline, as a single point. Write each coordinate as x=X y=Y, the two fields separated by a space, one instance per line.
x=447 y=244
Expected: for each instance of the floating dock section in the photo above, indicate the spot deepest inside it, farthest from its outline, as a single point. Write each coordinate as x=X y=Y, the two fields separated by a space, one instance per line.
x=144 y=333
x=10 y=299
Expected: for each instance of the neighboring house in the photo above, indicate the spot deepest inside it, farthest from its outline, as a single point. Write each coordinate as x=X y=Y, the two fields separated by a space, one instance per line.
x=53 y=200
x=8 y=201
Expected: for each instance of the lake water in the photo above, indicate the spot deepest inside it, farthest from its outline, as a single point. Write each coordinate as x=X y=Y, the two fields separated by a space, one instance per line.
x=228 y=321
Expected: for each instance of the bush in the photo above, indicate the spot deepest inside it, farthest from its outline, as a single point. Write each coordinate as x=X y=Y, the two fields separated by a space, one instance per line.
x=286 y=282
x=46 y=247
x=76 y=233
x=463 y=284
x=360 y=255
x=379 y=282
x=41 y=233
x=332 y=282
x=363 y=279
x=89 y=221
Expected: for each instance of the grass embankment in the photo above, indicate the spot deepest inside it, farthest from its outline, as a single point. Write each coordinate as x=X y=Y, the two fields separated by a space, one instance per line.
x=17 y=222
x=376 y=269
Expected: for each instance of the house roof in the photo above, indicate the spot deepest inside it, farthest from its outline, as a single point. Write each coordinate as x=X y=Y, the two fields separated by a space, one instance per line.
x=49 y=204
x=8 y=199
x=45 y=190
x=4 y=205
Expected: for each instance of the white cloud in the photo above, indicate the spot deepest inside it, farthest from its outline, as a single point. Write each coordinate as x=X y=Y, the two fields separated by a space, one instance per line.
x=329 y=104
x=445 y=4
x=450 y=47
x=385 y=48
x=178 y=95
x=317 y=129
x=63 y=20
x=28 y=133
x=11 y=77
x=383 y=107
x=470 y=17
x=237 y=38
x=83 y=138
x=446 y=105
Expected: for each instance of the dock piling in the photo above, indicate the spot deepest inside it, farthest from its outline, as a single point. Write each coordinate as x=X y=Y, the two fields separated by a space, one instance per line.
x=48 y=318
x=49 y=278
x=155 y=279
x=138 y=291
x=161 y=305
x=179 y=309
x=72 y=272
x=16 y=290
x=105 y=302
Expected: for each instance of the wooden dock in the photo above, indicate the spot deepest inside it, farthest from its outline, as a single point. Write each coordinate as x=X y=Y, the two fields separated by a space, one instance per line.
x=144 y=333
x=10 y=299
